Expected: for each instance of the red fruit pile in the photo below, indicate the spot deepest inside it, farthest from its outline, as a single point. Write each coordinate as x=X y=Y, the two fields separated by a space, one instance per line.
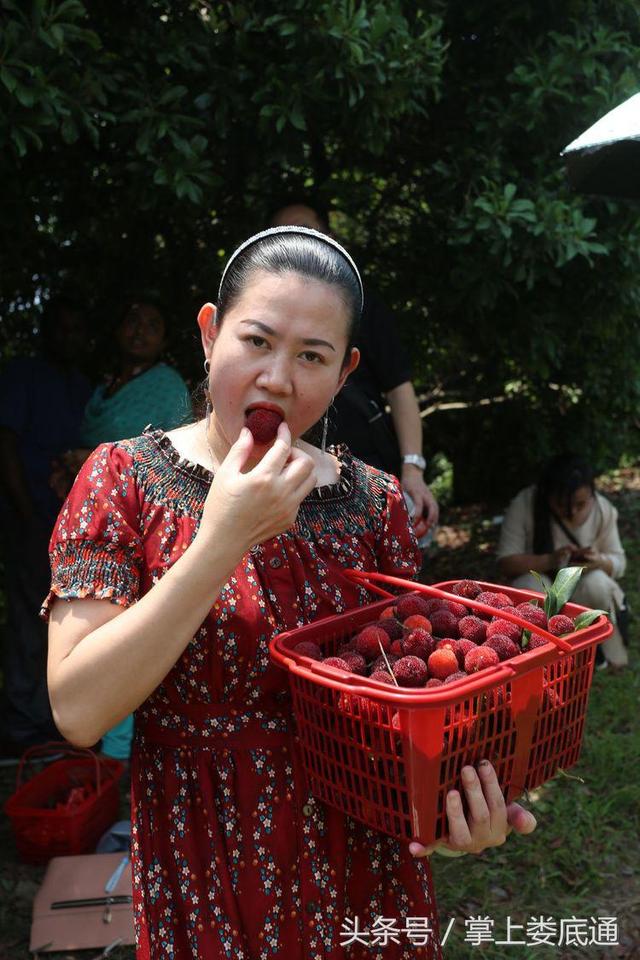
x=420 y=642
x=263 y=424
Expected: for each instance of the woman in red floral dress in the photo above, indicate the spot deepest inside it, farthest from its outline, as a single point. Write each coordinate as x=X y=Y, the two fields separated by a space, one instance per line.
x=175 y=559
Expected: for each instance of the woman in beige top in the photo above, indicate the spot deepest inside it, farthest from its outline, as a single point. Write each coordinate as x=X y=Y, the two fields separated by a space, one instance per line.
x=562 y=521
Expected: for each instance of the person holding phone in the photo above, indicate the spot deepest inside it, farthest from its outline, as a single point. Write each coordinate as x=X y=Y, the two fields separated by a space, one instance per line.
x=563 y=521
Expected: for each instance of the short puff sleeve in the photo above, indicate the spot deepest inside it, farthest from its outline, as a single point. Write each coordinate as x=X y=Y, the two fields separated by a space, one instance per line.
x=398 y=551
x=95 y=548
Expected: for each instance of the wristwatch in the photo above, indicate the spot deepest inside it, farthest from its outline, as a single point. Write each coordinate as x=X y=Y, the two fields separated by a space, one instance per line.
x=415 y=460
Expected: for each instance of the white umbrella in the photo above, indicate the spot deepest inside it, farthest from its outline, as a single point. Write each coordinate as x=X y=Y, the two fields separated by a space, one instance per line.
x=605 y=159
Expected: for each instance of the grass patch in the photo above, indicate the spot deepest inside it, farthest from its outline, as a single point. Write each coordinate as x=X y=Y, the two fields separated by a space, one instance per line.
x=582 y=860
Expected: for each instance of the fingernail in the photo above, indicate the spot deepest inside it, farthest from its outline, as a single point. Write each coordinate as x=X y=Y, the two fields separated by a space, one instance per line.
x=483 y=763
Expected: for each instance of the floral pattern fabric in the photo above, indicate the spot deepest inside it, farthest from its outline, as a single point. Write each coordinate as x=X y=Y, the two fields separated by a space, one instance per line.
x=232 y=857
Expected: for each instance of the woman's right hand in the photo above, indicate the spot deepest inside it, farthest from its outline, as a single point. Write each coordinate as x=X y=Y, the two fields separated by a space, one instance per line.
x=560 y=557
x=261 y=503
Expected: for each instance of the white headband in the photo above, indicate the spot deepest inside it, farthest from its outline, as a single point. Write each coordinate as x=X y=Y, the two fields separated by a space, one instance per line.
x=304 y=231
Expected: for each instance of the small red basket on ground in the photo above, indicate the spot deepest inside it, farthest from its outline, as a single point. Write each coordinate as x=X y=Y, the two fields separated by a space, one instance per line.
x=388 y=756
x=66 y=807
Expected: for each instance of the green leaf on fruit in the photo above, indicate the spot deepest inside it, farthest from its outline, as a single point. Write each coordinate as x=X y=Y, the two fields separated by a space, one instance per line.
x=550 y=602
x=565 y=584
x=586 y=619
x=526 y=637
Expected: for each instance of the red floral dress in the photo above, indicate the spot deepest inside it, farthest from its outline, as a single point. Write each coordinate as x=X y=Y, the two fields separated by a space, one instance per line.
x=233 y=858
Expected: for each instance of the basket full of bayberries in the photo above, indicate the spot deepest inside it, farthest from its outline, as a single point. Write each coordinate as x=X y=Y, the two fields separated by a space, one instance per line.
x=393 y=699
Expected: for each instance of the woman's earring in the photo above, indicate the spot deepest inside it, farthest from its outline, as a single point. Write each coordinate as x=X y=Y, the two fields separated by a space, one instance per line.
x=208 y=408
x=325 y=428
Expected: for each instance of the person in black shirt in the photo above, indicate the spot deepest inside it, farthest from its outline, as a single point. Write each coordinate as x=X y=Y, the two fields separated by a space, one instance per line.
x=358 y=415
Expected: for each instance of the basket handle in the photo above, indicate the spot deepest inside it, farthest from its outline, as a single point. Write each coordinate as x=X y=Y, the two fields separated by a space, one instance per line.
x=57 y=746
x=360 y=576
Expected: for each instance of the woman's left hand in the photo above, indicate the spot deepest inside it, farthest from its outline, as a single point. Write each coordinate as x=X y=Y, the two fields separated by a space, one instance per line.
x=591 y=559
x=426 y=504
x=489 y=820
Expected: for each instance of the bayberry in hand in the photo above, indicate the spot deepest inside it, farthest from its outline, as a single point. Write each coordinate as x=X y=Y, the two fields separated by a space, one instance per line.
x=264 y=424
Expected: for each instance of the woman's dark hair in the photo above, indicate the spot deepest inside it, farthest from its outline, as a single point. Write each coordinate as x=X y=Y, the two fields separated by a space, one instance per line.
x=560 y=479
x=129 y=302
x=306 y=255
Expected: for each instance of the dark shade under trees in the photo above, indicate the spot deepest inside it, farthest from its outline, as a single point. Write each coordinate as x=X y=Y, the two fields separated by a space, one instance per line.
x=143 y=139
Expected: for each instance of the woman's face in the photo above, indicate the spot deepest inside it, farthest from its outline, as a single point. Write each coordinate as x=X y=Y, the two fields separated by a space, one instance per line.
x=281 y=346
x=140 y=335
x=579 y=507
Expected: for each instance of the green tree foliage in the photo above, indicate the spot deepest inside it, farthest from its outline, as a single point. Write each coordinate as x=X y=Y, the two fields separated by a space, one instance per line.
x=143 y=139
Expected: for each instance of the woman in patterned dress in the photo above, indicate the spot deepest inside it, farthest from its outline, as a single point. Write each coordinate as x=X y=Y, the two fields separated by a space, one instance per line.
x=175 y=559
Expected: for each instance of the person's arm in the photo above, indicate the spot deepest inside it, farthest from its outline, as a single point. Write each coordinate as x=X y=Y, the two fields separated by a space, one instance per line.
x=517 y=564
x=515 y=556
x=13 y=477
x=607 y=553
x=407 y=423
x=105 y=661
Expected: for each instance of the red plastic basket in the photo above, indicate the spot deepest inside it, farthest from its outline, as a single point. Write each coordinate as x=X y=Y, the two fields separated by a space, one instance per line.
x=388 y=756
x=40 y=830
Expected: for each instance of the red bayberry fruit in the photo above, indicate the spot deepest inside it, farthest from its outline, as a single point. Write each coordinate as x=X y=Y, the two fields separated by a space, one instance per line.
x=551 y=699
x=388 y=612
x=496 y=600
x=308 y=649
x=534 y=643
x=473 y=628
x=346 y=648
x=381 y=664
x=463 y=647
x=468 y=589
x=410 y=672
x=355 y=661
x=457 y=609
x=434 y=682
x=504 y=646
x=337 y=662
x=559 y=625
x=409 y=605
x=532 y=614
x=368 y=642
x=393 y=628
x=382 y=676
x=443 y=662
x=444 y=623
x=434 y=603
x=451 y=644
x=479 y=658
x=419 y=643
x=505 y=628
x=458 y=675
x=263 y=424
x=417 y=621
